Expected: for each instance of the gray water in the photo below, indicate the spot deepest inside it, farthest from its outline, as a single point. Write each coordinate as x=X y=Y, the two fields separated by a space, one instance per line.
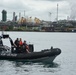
x=64 y=64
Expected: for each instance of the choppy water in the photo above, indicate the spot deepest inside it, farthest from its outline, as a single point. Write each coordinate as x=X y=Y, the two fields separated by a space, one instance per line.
x=64 y=64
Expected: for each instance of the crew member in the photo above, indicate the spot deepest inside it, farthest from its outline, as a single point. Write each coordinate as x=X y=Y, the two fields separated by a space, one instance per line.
x=20 y=42
x=25 y=47
x=16 y=44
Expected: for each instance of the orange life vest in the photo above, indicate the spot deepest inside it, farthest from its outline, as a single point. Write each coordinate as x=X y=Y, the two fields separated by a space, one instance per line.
x=20 y=43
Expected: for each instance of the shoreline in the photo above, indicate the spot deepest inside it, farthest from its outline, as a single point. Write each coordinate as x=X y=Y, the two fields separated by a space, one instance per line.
x=39 y=31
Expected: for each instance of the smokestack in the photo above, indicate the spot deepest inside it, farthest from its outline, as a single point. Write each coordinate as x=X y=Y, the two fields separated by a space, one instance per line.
x=57 y=12
x=19 y=16
x=13 y=16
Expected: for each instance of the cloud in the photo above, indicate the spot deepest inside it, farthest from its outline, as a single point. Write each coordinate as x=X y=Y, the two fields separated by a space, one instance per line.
x=12 y=4
x=72 y=5
x=35 y=8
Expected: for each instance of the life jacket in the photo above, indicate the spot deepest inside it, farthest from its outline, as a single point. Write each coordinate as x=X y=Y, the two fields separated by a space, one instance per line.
x=20 y=43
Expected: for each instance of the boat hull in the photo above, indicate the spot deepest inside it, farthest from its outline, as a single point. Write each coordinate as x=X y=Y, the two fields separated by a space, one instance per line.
x=44 y=59
x=42 y=56
x=47 y=59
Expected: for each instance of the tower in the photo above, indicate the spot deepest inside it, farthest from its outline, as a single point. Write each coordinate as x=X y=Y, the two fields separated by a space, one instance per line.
x=4 y=15
x=13 y=16
x=19 y=16
x=57 y=12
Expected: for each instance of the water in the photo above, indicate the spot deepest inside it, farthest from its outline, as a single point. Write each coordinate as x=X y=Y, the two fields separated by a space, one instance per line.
x=64 y=64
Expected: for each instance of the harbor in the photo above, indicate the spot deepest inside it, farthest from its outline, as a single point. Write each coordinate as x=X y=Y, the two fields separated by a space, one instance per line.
x=37 y=37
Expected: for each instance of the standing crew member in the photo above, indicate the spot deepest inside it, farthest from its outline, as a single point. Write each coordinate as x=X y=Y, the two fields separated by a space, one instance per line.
x=16 y=44
x=20 y=45
x=20 y=42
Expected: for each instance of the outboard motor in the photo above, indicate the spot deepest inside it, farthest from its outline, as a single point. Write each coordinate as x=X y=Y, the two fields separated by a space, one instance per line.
x=31 y=47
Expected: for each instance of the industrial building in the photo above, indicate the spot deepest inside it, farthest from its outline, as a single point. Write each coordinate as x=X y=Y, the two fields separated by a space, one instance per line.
x=4 y=15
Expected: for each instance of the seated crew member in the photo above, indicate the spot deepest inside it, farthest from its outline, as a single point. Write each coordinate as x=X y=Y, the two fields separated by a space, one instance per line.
x=25 y=47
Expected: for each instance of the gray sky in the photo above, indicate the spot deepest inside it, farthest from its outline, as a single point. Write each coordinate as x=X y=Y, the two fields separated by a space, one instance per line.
x=39 y=8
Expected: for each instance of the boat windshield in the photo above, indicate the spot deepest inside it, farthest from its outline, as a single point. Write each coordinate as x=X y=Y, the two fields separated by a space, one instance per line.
x=6 y=42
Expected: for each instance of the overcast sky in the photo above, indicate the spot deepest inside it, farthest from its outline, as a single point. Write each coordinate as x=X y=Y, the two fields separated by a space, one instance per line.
x=39 y=8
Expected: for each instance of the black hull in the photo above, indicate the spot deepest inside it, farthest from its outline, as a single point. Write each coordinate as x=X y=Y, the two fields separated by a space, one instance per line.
x=44 y=55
